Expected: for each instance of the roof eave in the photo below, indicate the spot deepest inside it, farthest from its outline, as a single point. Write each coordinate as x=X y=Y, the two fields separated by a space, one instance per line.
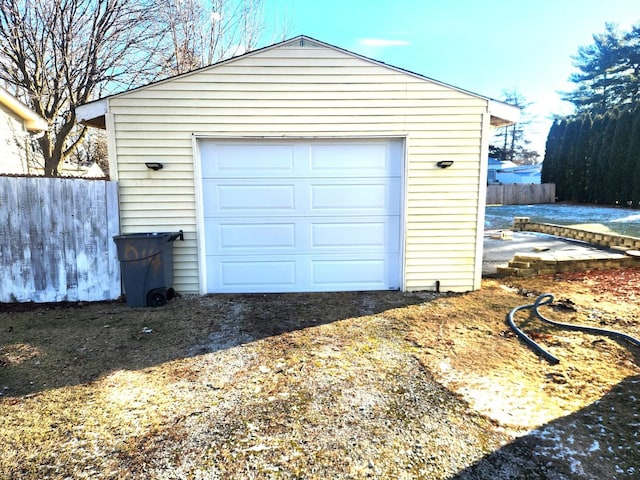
x=36 y=124
x=503 y=114
x=32 y=121
x=93 y=113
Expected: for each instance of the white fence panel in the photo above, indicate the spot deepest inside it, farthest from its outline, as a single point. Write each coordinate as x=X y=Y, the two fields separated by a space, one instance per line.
x=56 y=240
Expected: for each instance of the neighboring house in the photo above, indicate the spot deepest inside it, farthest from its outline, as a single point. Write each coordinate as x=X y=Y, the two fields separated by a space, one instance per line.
x=71 y=170
x=18 y=124
x=19 y=128
x=305 y=167
x=502 y=173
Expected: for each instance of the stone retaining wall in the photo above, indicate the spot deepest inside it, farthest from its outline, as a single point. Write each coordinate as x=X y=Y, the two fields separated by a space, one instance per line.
x=550 y=262
x=606 y=240
x=527 y=265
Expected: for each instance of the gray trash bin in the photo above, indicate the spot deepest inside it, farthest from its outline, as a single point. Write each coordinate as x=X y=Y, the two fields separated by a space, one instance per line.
x=146 y=266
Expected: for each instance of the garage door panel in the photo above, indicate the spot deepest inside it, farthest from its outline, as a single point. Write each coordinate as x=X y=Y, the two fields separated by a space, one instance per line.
x=262 y=236
x=354 y=274
x=274 y=159
x=246 y=275
x=242 y=159
x=266 y=236
x=354 y=233
x=305 y=197
x=250 y=274
x=256 y=197
x=303 y=236
x=248 y=199
x=350 y=160
x=366 y=198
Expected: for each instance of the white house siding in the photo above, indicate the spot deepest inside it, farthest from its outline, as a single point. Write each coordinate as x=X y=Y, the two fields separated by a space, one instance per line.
x=13 y=137
x=308 y=91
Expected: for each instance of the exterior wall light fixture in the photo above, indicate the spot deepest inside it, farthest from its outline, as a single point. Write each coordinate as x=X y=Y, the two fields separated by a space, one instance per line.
x=154 y=165
x=444 y=163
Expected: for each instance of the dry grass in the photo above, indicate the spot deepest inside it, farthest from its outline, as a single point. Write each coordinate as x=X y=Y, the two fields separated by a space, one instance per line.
x=316 y=386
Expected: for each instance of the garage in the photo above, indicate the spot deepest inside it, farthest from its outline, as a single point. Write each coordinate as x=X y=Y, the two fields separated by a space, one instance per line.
x=303 y=167
x=301 y=215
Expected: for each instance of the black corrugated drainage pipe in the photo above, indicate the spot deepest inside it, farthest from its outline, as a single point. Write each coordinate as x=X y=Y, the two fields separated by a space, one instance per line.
x=547 y=299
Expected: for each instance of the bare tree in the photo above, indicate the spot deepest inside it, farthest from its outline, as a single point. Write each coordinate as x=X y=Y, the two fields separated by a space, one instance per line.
x=514 y=144
x=57 y=54
x=203 y=32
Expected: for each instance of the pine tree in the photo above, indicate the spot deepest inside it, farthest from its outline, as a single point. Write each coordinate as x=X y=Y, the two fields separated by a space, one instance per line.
x=631 y=54
x=596 y=158
x=608 y=72
x=633 y=161
x=598 y=79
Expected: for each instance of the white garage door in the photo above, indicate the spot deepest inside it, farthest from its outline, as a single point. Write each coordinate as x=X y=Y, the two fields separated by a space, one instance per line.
x=301 y=216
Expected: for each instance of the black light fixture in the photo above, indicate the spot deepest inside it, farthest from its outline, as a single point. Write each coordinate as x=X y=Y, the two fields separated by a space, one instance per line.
x=444 y=163
x=153 y=165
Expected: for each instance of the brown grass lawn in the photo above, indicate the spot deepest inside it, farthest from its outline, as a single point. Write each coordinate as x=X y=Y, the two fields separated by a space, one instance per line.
x=346 y=385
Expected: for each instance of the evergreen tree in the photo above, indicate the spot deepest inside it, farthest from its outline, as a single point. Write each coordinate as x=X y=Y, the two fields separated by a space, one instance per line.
x=582 y=159
x=631 y=56
x=550 y=166
x=608 y=72
x=564 y=180
x=632 y=164
x=635 y=193
x=605 y=161
x=619 y=172
x=597 y=80
x=594 y=175
x=595 y=157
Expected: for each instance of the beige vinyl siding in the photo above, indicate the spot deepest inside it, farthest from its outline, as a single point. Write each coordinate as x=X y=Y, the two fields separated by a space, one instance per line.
x=13 y=139
x=310 y=91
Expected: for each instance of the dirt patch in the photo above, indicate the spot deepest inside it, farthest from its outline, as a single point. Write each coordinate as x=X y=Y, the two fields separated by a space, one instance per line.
x=473 y=352
x=348 y=385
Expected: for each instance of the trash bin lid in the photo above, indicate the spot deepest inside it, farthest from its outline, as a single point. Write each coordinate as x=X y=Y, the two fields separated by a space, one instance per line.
x=142 y=235
x=150 y=235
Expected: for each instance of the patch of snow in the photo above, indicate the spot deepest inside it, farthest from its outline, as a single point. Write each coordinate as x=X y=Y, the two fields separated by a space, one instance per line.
x=628 y=224
x=628 y=218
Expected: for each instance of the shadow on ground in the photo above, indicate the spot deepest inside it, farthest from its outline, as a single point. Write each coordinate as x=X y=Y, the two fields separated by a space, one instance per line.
x=598 y=441
x=55 y=345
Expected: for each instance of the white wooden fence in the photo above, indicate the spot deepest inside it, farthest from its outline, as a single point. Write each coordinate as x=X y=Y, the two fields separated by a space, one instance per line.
x=56 y=240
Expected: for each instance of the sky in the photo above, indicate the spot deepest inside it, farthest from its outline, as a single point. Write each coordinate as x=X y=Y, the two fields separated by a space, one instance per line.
x=483 y=46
